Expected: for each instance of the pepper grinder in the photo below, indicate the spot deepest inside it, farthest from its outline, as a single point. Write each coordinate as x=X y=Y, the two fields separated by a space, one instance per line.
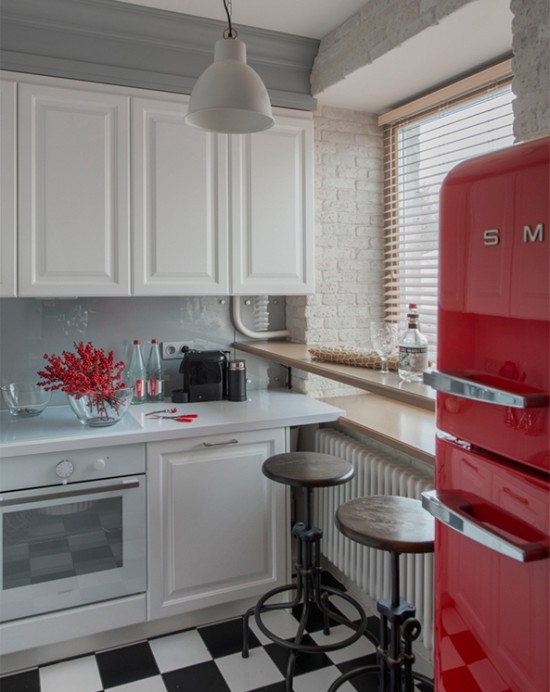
x=236 y=381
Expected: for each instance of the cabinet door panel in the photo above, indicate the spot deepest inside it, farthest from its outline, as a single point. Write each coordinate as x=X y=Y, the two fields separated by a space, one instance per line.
x=179 y=203
x=8 y=199
x=73 y=191
x=217 y=524
x=272 y=213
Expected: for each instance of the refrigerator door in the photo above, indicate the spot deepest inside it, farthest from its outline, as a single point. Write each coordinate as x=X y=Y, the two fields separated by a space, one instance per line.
x=494 y=304
x=492 y=606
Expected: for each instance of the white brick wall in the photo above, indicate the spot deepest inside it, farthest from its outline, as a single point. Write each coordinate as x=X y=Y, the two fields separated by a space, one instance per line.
x=531 y=66
x=349 y=239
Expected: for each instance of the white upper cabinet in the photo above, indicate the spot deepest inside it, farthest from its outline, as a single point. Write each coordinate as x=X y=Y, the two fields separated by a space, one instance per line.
x=117 y=196
x=179 y=203
x=272 y=230
x=8 y=190
x=73 y=191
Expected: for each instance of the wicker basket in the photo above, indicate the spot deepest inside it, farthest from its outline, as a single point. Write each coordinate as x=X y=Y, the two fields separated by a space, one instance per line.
x=347 y=355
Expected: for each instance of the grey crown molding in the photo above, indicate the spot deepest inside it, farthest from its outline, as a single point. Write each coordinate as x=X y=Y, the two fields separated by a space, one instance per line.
x=130 y=45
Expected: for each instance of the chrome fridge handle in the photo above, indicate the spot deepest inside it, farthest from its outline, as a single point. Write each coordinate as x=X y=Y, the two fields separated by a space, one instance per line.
x=450 y=511
x=477 y=391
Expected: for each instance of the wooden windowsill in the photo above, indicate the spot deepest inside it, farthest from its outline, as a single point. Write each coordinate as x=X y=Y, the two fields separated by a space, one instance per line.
x=409 y=429
x=396 y=413
x=297 y=356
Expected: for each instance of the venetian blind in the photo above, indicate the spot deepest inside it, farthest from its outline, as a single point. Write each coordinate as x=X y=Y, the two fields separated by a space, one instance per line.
x=419 y=150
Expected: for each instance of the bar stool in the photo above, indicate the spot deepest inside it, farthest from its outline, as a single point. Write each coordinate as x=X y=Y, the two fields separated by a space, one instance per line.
x=397 y=525
x=306 y=470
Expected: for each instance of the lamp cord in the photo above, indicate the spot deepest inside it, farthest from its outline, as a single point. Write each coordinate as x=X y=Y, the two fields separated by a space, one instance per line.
x=227 y=6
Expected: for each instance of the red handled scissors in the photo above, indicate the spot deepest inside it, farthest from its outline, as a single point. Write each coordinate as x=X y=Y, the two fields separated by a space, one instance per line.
x=185 y=418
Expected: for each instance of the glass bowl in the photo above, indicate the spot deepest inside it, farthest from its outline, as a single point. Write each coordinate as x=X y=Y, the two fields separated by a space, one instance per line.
x=98 y=411
x=25 y=399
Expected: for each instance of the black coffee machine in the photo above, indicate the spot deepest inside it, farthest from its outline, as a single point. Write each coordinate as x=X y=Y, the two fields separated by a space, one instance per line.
x=204 y=376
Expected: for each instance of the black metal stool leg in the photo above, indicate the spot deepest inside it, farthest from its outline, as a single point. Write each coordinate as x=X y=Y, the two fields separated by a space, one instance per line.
x=290 y=668
x=395 y=632
x=296 y=531
x=382 y=653
x=410 y=631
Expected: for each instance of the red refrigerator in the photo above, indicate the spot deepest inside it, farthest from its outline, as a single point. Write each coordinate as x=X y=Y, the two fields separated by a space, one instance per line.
x=492 y=488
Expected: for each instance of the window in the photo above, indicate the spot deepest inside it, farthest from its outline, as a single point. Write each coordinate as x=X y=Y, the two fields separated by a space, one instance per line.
x=423 y=142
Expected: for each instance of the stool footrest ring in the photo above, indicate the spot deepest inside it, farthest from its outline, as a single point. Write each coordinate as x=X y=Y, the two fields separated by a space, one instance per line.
x=358 y=628
x=352 y=674
x=374 y=668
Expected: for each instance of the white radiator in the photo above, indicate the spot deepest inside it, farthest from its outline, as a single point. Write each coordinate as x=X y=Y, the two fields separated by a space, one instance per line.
x=376 y=473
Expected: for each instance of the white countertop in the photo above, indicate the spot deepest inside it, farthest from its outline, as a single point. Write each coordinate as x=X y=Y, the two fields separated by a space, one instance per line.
x=57 y=428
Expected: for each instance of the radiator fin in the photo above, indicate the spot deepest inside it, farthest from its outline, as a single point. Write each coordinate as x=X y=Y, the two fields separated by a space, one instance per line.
x=376 y=473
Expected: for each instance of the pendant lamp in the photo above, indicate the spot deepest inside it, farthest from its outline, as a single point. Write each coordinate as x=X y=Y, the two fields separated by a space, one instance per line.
x=229 y=96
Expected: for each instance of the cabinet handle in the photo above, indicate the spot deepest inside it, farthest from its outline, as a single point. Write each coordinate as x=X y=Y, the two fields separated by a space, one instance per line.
x=221 y=444
x=477 y=391
x=456 y=513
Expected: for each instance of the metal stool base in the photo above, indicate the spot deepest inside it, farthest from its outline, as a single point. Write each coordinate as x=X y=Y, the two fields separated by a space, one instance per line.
x=309 y=591
x=398 y=629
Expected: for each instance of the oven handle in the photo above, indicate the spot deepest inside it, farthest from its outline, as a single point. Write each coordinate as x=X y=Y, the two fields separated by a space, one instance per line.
x=477 y=391
x=450 y=511
x=125 y=484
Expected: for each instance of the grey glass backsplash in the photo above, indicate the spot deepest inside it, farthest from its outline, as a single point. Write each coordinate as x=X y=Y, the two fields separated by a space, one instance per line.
x=30 y=327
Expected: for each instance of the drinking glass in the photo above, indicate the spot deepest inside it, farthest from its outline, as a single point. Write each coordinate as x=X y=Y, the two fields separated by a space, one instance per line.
x=384 y=341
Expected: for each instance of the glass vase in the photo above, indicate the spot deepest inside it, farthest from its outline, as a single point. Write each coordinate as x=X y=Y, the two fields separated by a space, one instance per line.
x=97 y=410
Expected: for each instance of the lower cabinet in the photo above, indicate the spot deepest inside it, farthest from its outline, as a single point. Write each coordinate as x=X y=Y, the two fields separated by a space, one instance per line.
x=217 y=526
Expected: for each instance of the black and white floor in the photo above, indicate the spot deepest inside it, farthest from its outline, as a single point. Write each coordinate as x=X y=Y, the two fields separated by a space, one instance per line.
x=207 y=659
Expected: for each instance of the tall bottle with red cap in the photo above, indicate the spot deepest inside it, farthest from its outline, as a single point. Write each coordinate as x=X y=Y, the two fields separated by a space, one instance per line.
x=413 y=349
x=155 y=375
x=135 y=374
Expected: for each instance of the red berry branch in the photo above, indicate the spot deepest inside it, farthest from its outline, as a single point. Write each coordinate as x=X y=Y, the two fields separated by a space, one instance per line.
x=87 y=371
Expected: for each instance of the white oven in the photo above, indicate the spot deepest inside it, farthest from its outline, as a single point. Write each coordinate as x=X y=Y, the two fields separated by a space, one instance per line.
x=73 y=529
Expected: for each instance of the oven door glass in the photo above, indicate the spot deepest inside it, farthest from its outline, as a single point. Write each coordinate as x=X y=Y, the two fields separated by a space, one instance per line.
x=66 y=546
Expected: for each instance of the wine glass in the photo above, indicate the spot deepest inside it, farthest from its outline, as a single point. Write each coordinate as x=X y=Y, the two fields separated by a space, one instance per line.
x=384 y=341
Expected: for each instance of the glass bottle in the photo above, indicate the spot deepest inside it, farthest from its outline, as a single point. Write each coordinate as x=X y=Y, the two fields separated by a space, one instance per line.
x=413 y=349
x=136 y=373
x=155 y=375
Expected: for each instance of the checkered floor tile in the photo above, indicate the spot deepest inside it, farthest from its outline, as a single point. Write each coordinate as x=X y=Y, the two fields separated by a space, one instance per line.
x=207 y=659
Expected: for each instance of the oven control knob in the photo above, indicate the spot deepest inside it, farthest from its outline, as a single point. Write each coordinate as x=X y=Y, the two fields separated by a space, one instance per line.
x=99 y=464
x=64 y=469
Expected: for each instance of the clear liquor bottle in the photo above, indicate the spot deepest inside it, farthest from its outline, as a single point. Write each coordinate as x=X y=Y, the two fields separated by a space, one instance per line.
x=413 y=349
x=155 y=375
x=136 y=373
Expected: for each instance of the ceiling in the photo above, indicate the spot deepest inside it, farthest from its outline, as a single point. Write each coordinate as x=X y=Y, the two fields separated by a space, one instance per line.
x=311 y=18
x=475 y=35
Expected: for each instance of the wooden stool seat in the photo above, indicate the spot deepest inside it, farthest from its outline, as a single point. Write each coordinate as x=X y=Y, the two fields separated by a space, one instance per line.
x=307 y=469
x=391 y=523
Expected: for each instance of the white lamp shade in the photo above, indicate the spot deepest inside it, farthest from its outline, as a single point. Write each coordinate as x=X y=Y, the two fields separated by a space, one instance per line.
x=229 y=96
